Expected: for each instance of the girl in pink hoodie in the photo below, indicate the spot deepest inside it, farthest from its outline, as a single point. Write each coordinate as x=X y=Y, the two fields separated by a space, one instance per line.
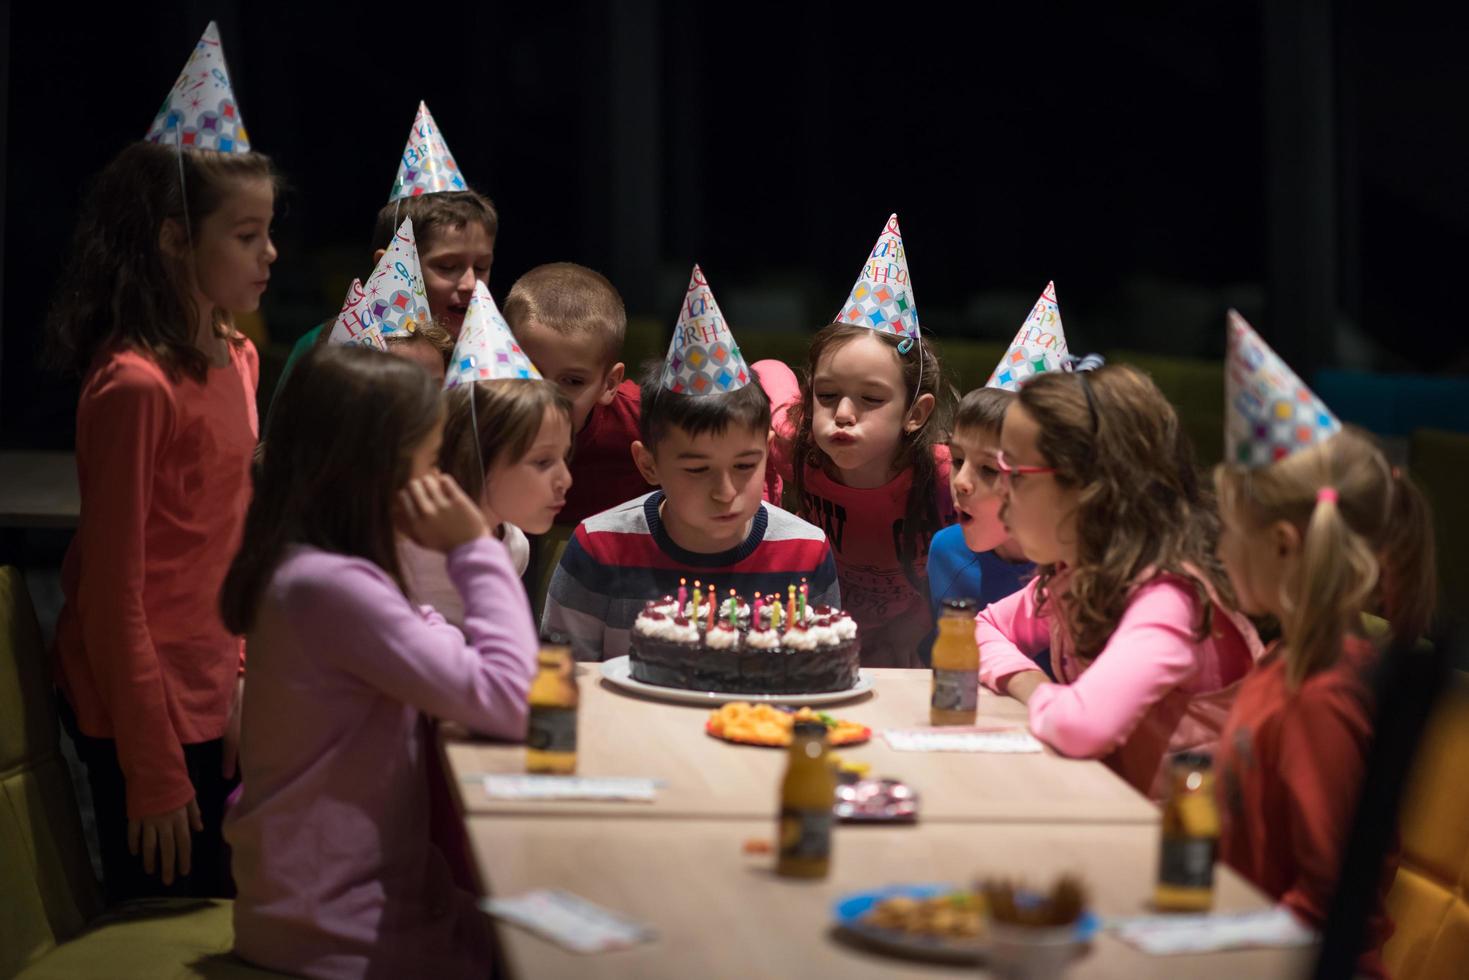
x=1102 y=493
x=337 y=875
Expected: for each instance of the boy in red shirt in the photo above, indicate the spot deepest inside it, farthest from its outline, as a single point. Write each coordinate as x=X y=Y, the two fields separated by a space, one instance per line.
x=571 y=322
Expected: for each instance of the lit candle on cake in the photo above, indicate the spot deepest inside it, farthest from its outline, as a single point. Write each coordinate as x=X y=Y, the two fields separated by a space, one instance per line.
x=791 y=604
x=755 y=613
x=694 y=613
x=683 y=593
x=803 y=600
x=713 y=603
x=734 y=610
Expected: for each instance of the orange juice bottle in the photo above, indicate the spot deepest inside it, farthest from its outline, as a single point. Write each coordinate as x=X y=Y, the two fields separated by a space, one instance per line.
x=550 y=741
x=1190 y=836
x=955 y=699
x=807 y=795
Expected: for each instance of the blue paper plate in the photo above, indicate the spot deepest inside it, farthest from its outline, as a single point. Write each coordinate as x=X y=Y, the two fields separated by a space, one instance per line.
x=850 y=910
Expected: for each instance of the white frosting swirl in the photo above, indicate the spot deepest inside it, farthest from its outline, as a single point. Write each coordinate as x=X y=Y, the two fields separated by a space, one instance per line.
x=798 y=639
x=762 y=639
x=825 y=636
x=722 y=639
x=844 y=626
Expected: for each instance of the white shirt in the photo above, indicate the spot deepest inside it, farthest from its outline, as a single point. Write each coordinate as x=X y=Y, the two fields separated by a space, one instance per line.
x=426 y=574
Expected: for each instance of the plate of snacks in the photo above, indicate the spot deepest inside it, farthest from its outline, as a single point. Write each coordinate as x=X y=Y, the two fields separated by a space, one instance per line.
x=771 y=726
x=942 y=923
x=990 y=922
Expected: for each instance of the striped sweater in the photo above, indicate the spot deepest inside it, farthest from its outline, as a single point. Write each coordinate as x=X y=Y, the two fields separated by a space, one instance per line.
x=622 y=557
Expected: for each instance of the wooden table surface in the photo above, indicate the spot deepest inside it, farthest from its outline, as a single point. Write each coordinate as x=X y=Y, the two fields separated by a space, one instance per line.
x=706 y=778
x=722 y=913
x=39 y=489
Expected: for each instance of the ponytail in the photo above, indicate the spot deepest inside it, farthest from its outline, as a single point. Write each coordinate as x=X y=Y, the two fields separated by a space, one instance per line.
x=1336 y=576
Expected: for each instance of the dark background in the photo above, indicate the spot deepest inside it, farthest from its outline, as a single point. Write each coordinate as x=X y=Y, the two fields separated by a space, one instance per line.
x=1302 y=161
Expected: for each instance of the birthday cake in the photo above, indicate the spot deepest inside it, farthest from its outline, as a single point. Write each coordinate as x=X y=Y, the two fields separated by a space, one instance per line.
x=698 y=645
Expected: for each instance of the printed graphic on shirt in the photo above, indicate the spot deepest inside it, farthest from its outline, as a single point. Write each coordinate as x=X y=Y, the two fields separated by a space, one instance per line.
x=830 y=517
x=911 y=551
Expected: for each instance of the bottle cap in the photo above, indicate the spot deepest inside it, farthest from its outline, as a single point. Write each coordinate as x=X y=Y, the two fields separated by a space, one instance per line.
x=810 y=729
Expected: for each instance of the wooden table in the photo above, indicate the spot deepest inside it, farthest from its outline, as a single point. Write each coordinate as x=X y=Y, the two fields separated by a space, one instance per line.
x=39 y=490
x=722 y=913
x=707 y=778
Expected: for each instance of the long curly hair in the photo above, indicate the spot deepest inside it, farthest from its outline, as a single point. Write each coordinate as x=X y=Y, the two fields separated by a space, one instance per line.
x=921 y=376
x=1144 y=506
x=118 y=287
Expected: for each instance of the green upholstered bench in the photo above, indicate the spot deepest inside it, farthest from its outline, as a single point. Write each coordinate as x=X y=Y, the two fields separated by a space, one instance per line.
x=52 y=923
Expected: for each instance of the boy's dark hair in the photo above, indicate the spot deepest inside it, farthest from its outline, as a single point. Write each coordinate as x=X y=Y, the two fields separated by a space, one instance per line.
x=983 y=408
x=567 y=299
x=328 y=480
x=433 y=212
x=697 y=415
x=119 y=286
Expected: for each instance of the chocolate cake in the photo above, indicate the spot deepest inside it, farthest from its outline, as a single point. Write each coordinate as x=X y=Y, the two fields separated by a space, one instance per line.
x=813 y=652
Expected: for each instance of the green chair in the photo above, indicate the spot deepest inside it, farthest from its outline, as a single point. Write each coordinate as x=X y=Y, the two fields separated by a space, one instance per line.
x=52 y=923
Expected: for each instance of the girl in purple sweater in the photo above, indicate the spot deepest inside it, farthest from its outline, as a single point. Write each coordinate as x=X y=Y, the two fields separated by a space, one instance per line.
x=1100 y=491
x=336 y=873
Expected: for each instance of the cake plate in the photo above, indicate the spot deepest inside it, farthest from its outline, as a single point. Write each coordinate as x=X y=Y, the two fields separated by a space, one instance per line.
x=618 y=673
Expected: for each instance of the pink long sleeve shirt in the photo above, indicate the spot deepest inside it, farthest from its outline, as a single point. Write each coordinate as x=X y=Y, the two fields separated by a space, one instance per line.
x=1153 y=689
x=336 y=874
x=141 y=653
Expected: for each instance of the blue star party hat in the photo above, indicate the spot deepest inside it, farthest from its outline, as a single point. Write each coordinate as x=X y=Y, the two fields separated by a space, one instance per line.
x=486 y=349
x=703 y=358
x=1269 y=411
x=427 y=166
x=1040 y=345
x=199 y=112
x=883 y=296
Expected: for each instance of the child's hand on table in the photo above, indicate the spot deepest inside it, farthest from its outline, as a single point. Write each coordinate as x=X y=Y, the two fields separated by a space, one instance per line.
x=1022 y=685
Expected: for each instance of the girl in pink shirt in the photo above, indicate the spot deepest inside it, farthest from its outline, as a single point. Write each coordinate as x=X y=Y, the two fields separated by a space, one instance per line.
x=166 y=428
x=337 y=876
x=1102 y=493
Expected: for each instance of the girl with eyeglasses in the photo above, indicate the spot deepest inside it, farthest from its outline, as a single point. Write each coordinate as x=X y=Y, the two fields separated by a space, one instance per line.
x=1101 y=491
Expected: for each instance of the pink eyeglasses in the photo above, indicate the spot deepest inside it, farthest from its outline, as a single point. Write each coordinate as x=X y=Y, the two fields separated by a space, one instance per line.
x=1008 y=469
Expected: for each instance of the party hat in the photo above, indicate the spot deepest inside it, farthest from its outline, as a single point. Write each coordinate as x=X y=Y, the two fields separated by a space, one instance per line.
x=883 y=296
x=395 y=295
x=427 y=166
x=355 y=325
x=1039 y=346
x=200 y=112
x=1269 y=411
x=486 y=349
x=703 y=358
